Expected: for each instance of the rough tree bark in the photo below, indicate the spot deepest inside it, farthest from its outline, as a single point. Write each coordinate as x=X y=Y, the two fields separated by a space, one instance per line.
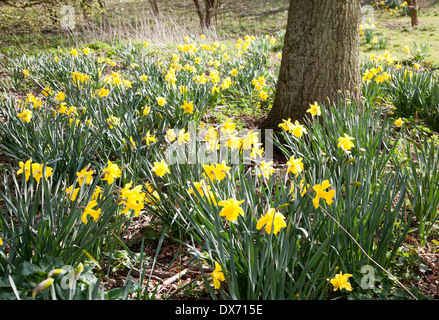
x=320 y=57
x=154 y=7
x=413 y=9
x=206 y=16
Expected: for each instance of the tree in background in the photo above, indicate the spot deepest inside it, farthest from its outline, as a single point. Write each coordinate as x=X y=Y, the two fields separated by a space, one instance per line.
x=320 y=57
x=206 y=15
x=154 y=7
x=413 y=9
x=88 y=7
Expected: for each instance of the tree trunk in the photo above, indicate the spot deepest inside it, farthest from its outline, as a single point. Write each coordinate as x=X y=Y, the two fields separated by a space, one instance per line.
x=104 y=14
x=210 y=8
x=154 y=7
x=320 y=57
x=413 y=9
x=199 y=13
x=206 y=16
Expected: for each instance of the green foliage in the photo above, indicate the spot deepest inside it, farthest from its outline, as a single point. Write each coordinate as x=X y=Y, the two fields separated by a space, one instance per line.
x=423 y=167
x=121 y=104
x=415 y=94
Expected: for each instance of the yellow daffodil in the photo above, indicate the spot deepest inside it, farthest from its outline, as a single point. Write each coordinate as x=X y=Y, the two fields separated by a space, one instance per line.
x=60 y=96
x=321 y=194
x=89 y=211
x=25 y=168
x=146 y=110
x=399 y=122
x=385 y=76
x=234 y=142
x=217 y=276
x=96 y=193
x=188 y=107
x=221 y=171
x=234 y=72
x=38 y=170
x=227 y=82
x=295 y=166
x=47 y=92
x=62 y=108
x=229 y=127
x=111 y=173
x=273 y=220
x=286 y=125
x=201 y=187
x=297 y=129
x=25 y=115
x=72 y=194
x=340 y=281
x=302 y=188
x=263 y=95
x=102 y=92
x=161 y=101
x=232 y=209
x=170 y=134
x=265 y=169
x=113 y=121
x=150 y=138
x=346 y=142
x=216 y=171
x=183 y=137
x=84 y=175
x=161 y=168
x=314 y=109
x=133 y=199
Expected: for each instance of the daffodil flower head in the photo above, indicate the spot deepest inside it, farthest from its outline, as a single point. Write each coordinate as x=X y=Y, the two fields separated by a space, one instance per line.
x=161 y=168
x=112 y=172
x=25 y=168
x=72 y=194
x=200 y=186
x=221 y=171
x=297 y=129
x=321 y=194
x=340 y=281
x=314 y=109
x=188 y=107
x=209 y=171
x=286 y=124
x=346 y=142
x=265 y=169
x=84 y=175
x=399 y=122
x=149 y=138
x=132 y=198
x=183 y=136
x=295 y=166
x=89 y=211
x=25 y=115
x=231 y=209
x=217 y=276
x=229 y=127
x=273 y=221
x=161 y=101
